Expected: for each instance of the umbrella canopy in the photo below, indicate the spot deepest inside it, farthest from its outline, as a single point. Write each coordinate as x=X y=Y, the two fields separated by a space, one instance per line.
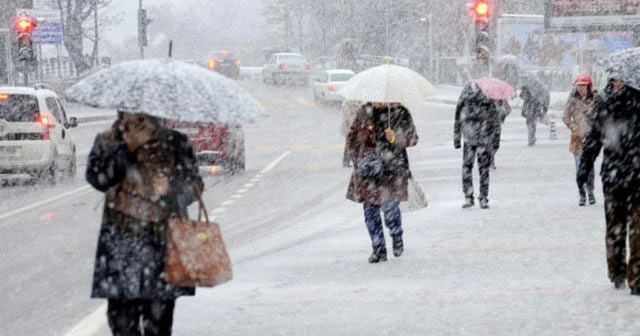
x=625 y=66
x=168 y=89
x=495 y=88
x=387 y=83
x=537 y=89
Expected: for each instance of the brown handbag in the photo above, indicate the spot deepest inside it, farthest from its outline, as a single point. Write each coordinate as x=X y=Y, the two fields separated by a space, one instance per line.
x=196 y=255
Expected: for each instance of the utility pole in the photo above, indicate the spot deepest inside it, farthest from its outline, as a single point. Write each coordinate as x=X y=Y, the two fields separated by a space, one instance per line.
x=97 y=43
x=139 y=30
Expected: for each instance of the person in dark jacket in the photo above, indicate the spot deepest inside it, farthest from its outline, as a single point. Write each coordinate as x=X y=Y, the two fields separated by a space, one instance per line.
x=477 y=122
x=148 y=173
x=376 y=143
x=616 y=130
x=533 y=108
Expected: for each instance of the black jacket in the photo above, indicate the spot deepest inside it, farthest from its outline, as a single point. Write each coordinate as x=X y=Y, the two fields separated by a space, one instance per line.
x=615 y=130
x=477 y=119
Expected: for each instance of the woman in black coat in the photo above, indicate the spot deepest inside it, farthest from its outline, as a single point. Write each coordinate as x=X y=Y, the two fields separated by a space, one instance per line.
x=148 y=173
x=616 y=130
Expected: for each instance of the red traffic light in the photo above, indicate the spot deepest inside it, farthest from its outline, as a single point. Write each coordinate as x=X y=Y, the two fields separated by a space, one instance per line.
x=25 y=24
x=481 y=8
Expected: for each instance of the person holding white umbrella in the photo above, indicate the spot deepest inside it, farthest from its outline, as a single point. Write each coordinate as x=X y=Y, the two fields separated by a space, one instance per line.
x=376 y=143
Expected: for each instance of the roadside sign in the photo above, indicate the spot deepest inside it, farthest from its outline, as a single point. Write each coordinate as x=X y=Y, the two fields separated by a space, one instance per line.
x=589 y=15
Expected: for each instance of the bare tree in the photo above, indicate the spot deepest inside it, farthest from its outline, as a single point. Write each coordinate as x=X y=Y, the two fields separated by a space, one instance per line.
x=74 y=14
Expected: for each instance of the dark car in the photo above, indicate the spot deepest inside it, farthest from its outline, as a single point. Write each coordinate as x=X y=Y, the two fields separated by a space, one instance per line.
x=215 y=144
x=225 y=63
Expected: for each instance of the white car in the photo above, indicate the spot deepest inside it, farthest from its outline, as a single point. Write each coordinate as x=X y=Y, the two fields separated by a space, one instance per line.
x=286 y=67
x=327 y=84
x=34 y=134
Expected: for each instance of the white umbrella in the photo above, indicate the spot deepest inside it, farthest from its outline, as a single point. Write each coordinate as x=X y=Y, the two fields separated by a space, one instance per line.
x=168 y=89
x=387 y=83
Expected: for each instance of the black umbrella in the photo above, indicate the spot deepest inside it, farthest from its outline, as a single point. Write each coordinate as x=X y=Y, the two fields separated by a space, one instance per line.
x=625 y=66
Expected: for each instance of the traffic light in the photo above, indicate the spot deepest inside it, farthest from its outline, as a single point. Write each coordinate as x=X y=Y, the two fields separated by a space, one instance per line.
x=482 y=14
x=24 y=57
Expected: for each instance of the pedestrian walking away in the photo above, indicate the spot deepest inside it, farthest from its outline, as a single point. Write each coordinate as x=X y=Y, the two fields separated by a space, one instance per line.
x=376 y=143
x=349 y=110
x=149 y=174
x=477 y=124
x=536 y=99
x=616 y=130
x=579 y=112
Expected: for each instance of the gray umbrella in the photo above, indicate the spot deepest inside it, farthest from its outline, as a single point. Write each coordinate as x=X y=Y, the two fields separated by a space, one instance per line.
x=624 y=65
x=537 y=89
x=167 y=89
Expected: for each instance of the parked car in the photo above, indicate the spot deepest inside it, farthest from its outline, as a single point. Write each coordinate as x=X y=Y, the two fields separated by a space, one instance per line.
x=326 y=85
x=283 y=68
x=225 y=63
x=34 y=134
x=215 y=144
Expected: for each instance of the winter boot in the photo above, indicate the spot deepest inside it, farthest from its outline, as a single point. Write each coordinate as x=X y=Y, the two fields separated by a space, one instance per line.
x=484 y=204
x=468 y=203
x=618 y=284
x=378 y=256
x=583 y=197
x=635 y=291
x=592 y=198
x=398 y=246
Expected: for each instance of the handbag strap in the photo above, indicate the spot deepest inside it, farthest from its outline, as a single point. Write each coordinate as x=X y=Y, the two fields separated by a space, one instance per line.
x=201 y=207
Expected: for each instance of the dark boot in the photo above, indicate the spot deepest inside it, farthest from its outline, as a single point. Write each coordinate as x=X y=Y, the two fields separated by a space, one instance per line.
x=635 y=291
x=378 y=256
x=618 y=284
x=583 y=197
x=484 y=204
x=468 y=202
x=398 y=246
x=592 y=198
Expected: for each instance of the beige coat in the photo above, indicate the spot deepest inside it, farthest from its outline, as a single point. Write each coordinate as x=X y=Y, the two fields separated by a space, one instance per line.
x=578 y=116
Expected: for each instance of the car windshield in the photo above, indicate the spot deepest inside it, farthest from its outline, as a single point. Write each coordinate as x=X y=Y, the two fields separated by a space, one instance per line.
x=341 y=77
x=18 y=107
x=223 y=55
x=296 y=59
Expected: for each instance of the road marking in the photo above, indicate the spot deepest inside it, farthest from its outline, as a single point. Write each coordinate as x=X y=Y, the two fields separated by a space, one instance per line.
x=300 y=148
x=265 y=148
x=91 y=324
x=227 y=202
x=305 y=102
x=236 y=196
x=217 y=210
x=336 y=146
x=262 y=103
x=248 y=185
x=47 y=201
x=285 y=104
x=242 y=191
x=314 y=166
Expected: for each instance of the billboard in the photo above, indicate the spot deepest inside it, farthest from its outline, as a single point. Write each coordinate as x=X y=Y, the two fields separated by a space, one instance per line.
x=535 y=47
x=591 y=15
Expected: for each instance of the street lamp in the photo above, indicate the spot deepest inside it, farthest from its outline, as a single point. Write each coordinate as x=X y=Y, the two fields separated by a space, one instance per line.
x=428 y=21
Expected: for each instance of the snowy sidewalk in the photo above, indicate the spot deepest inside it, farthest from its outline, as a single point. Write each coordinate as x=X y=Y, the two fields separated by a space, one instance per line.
x=533 y=264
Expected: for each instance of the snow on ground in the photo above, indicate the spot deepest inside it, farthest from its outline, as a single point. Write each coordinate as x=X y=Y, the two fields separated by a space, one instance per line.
x=533 y=264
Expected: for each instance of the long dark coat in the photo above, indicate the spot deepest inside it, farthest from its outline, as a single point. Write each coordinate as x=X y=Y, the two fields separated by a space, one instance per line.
x=477 y=119
x=366 y=136
x=615 y=130
x=129 y=261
